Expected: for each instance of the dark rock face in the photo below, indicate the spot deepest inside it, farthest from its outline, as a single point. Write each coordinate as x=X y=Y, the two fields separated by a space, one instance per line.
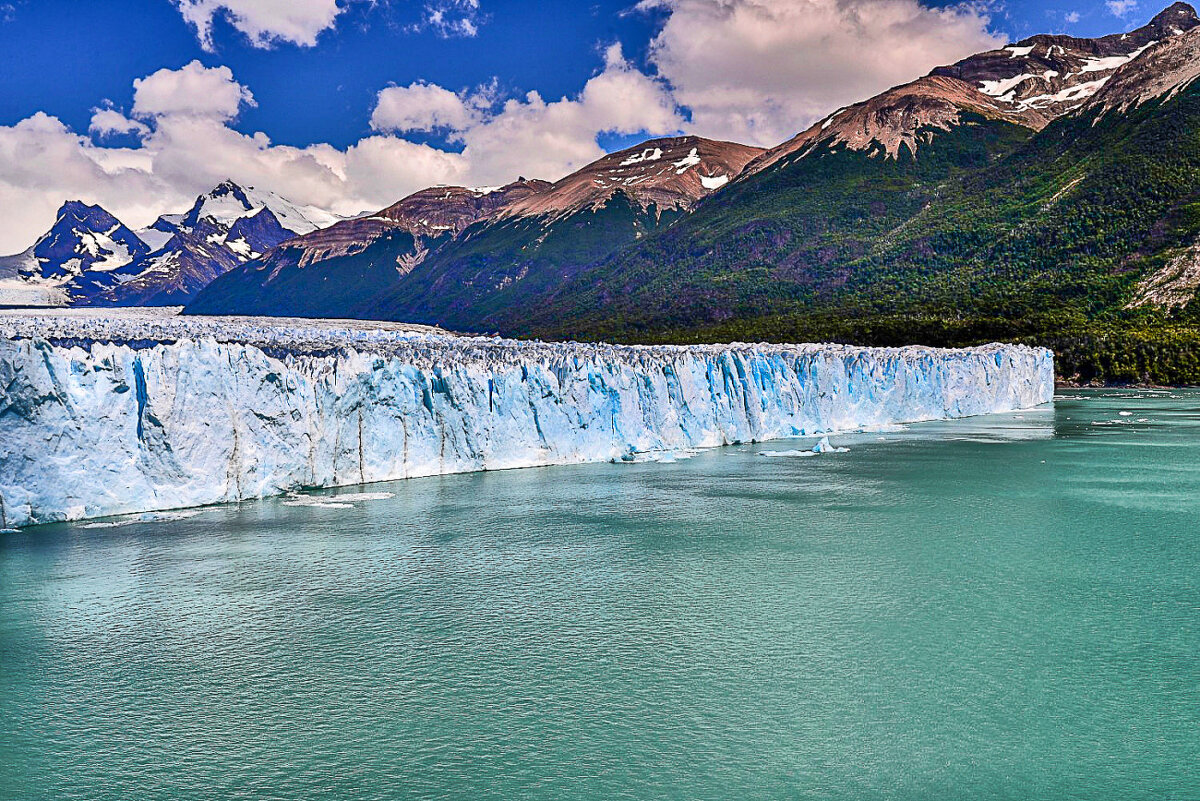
x=1055 y=75
x=82 y=238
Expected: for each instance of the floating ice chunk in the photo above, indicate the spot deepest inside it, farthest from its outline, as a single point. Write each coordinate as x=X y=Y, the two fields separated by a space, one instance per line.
x=659 y=457
x=313 y=503
x=344 y=501
x=821 y=447
x=349 y=497
x=824 y=447
x=144 y=517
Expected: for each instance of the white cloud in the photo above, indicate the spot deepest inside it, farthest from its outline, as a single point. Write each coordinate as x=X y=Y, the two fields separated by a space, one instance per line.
x=108 y=122
x=42 y=163
x=1071 y=17
x=1121 y=8
x=758 y=71
x=532 y=136
x=186 y=147
x=193 y=90
x=264 y=22
x=422 y=106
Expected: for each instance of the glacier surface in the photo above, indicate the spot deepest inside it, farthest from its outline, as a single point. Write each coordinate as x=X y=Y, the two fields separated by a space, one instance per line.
x=104 y=414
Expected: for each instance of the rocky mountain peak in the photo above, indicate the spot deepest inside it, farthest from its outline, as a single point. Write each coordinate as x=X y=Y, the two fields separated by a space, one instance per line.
x=670 y=173
x=84 y=237
x=428 y=213
x=1162 y=71
x=1055 y=75
x=1178 y=15
x=900 y=120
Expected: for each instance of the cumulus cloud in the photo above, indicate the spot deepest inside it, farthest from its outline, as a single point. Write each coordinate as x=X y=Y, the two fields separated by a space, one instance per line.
x=530 y=135
x=42 y=163
x=187 y=146
x=758 y=71
x=422 y=106
x=264 y=22
x=1071 y=17
x=194 y=90
x=109 y=122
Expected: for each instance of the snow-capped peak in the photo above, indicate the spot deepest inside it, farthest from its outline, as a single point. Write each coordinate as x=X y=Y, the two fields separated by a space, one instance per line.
x=228 y=202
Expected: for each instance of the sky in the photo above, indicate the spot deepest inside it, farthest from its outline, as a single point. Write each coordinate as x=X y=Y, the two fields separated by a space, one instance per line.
x=349 y=105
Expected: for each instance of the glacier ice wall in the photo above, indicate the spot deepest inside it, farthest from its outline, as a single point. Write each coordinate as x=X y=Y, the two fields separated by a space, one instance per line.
x=97 y=421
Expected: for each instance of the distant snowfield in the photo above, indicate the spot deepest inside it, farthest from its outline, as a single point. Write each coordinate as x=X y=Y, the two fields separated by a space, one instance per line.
x=165 y=323
x=105 y=413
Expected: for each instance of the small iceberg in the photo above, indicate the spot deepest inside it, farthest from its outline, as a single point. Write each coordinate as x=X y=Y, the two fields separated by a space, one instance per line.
x=145 y=517
x=821 y=447
x=659 y=457
x=344 y=501
x=824 y=447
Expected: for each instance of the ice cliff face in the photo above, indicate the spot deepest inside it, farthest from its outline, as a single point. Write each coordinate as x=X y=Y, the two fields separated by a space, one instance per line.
x=98 y=418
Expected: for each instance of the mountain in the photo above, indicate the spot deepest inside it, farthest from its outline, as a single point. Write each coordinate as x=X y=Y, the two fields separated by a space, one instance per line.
x=90 y=258
x=665 y=174
x=901 y=119
x=444 y=254
x=1057 y=74
x=634 y=246
x=330 y=271
x=1082 y=234
x=84 y=246
x=1046 y=192
x=792 y=223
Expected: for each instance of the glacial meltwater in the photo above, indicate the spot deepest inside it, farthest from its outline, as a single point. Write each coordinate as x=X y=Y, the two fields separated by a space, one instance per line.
x=1002 y=607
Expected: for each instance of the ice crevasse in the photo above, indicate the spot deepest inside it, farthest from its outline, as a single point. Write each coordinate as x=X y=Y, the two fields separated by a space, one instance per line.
x=141 y=421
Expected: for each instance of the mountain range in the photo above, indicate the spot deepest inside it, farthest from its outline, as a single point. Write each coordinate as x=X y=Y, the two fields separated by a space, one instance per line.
x=1047 y=191
x=90 y=258
x=449 y=253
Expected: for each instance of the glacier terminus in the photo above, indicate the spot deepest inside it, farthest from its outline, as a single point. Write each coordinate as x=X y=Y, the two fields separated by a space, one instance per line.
x=104 y=413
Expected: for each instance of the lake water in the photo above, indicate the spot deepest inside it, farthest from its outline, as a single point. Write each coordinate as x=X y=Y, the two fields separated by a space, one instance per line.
x=998 y=608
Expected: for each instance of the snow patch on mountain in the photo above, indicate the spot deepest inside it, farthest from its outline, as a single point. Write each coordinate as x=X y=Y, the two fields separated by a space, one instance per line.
x=649 y=154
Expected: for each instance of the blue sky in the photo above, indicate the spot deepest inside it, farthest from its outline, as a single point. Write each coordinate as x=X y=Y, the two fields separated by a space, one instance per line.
x=308 y=78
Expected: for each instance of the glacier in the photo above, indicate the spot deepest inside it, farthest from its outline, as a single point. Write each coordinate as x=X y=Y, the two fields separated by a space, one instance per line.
x=104 y=414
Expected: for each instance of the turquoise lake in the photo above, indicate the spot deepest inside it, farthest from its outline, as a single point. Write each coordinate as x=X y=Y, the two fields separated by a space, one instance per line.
x=996 y=608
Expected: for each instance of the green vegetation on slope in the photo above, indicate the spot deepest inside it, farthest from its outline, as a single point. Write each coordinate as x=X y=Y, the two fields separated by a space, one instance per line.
x=990 y=234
